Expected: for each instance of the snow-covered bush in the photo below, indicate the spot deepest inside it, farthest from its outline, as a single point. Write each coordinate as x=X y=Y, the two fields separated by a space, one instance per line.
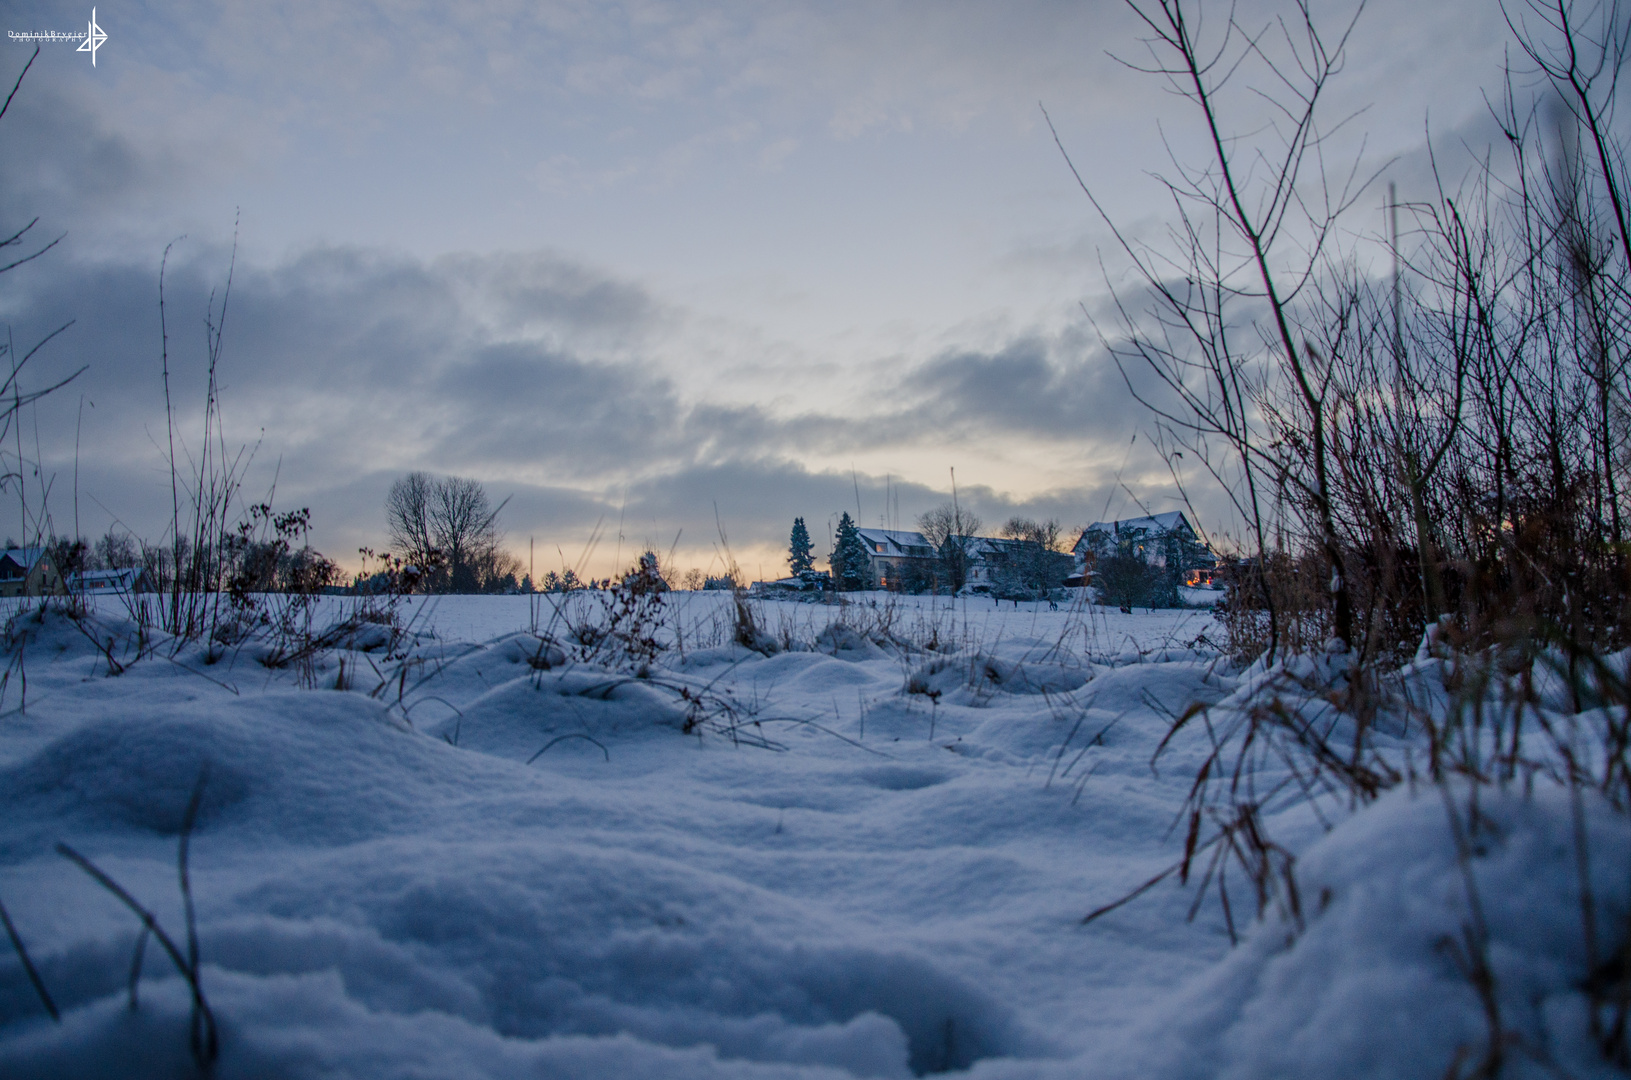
x=1494 y=742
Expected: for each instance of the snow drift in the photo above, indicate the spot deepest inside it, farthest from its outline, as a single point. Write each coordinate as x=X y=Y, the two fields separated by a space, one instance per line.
x=512 y=864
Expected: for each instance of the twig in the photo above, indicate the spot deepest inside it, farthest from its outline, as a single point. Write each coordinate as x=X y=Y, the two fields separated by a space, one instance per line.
x=563 y=738
x=28 y=965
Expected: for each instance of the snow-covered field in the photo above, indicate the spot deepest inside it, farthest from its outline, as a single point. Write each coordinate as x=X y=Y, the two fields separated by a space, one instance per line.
x=871 y=857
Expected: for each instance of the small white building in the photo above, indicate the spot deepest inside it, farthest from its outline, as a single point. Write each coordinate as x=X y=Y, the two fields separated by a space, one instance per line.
x=130 y=579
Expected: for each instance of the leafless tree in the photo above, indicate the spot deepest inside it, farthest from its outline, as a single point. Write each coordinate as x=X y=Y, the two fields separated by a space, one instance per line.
x=449 y=526
x=1045 y=534
x=951 y=531
x=19 y=246
x=463 y=524
x=1255 y=219
x=407 y=515
x=1459 y=446
x=116 y=551
x=1031 y=564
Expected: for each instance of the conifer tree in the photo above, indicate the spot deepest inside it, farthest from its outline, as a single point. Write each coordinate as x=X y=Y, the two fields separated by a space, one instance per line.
x=849 y=561
x=799 y=549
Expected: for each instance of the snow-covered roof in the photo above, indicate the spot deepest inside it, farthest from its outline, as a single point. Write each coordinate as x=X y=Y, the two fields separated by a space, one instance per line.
x=899 y=542
x=125 y=579
x=1149 y=525
x=23 y=558
x=981 y=546
x=794 y=583
x=893 y=542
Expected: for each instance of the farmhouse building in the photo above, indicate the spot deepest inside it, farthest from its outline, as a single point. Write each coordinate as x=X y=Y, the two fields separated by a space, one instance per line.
x=1162 y=540
x=898 y=559
x=29 y=572
x=895 y=556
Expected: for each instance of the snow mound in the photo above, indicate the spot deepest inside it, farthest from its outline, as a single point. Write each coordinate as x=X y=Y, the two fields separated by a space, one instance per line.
x=517 y=718
x=973 y=678
x=848 y=643
x=1378 y=984
x=614 y=959
x=495 y=861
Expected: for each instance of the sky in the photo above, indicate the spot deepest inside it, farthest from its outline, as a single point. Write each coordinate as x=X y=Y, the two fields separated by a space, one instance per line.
x=661 y=274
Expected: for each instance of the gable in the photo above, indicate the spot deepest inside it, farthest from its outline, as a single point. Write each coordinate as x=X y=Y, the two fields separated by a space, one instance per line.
x=17 y=562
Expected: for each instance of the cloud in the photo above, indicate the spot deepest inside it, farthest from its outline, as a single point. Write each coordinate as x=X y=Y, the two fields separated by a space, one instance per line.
x=363 y=354
x=1060 y=387
x=60 y=159
x=535 y=373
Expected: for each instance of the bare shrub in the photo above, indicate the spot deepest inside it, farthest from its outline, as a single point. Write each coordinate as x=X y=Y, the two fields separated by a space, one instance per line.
x=1444 y=448
x=1291 y=587
x=623 y=628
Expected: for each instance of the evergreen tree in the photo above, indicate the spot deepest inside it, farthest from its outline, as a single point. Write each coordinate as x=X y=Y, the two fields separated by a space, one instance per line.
x=799 y=549
x=849 y=561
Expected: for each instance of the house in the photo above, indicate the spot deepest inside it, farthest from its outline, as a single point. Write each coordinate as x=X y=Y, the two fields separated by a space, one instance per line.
x=896 y=558
x=1015 y=568
x=29 y=572
x=907 y=561
x=131 y=579
x=1163 y=540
